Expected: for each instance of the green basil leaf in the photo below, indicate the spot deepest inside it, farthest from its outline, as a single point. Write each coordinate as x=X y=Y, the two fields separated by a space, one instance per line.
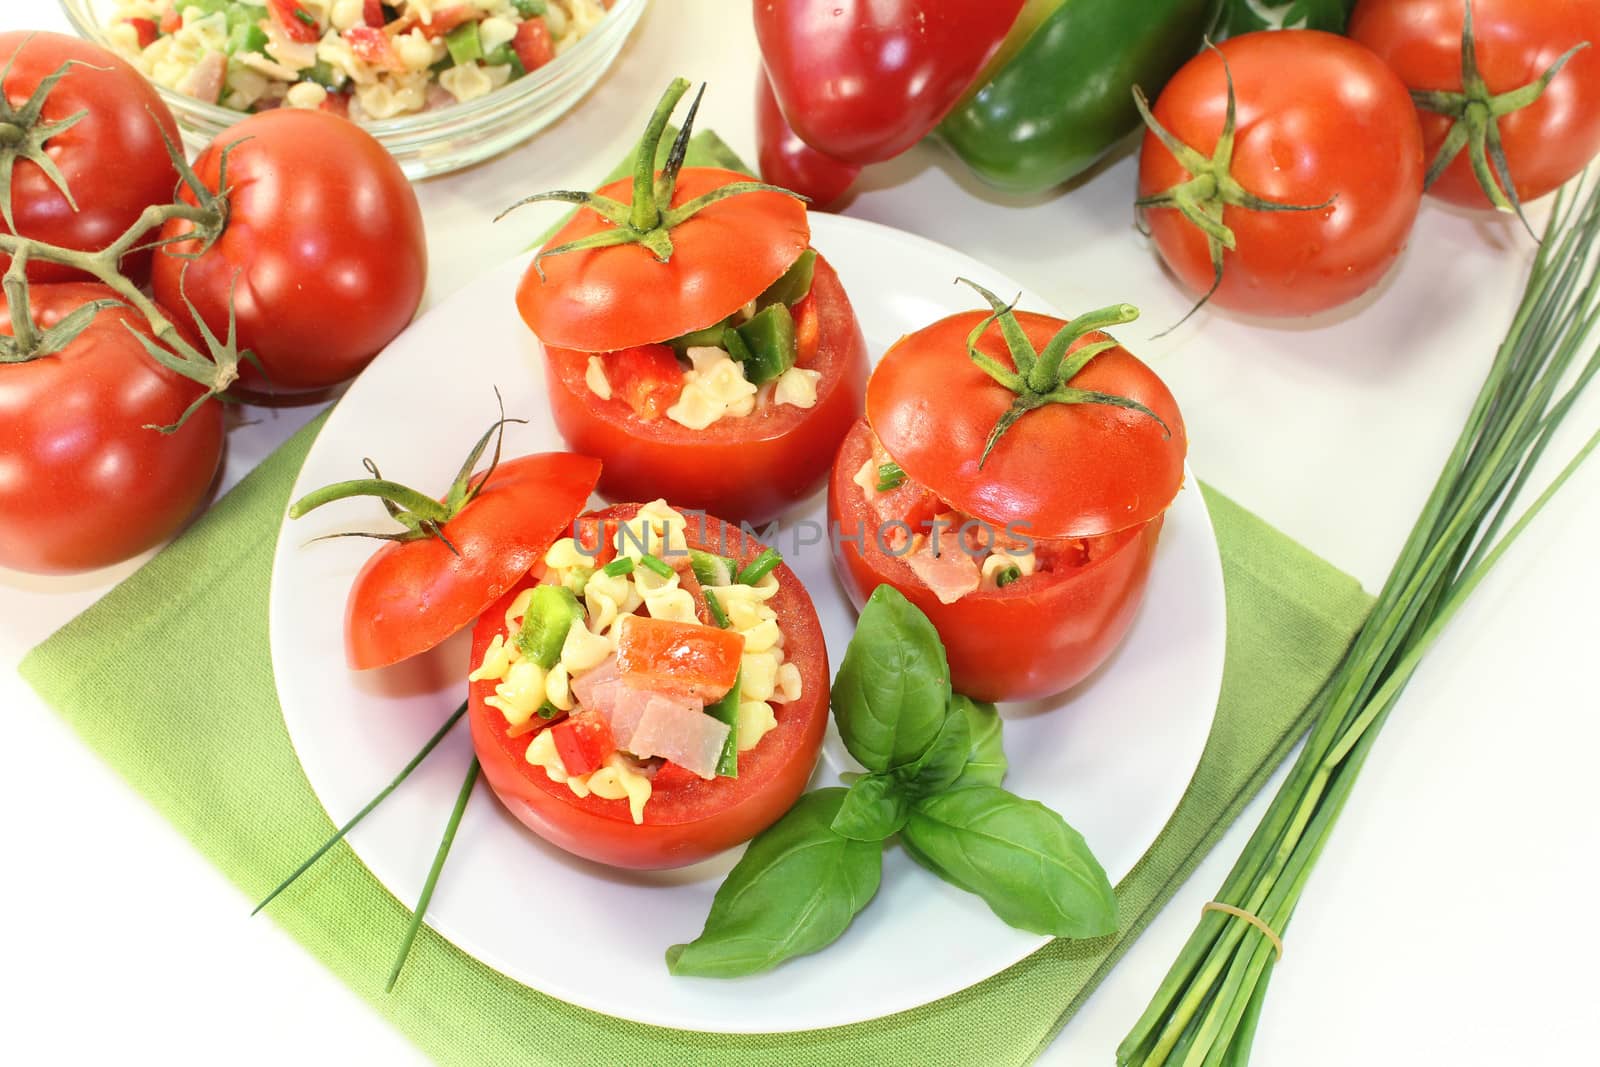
x=986 y=757
x=795 y=891
x=942 y=764
x=891 y=692
x=874 y=808
x=1027 y=864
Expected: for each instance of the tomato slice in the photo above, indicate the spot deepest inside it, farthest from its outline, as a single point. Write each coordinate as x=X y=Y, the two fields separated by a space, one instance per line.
x=295 y=21
x=678 y=657
x=1061 y=470
x=532 y=44
x=687 y=818
x=583 y=741
x=411 y=595
x=647 y=377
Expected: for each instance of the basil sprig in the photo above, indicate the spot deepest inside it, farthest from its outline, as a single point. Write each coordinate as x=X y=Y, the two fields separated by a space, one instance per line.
x=935 y=765
x=794 y=891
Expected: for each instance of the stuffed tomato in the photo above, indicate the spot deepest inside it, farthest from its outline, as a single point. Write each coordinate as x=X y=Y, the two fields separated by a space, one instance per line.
x=652 y=694
x=1010 y=479
x=694 y=342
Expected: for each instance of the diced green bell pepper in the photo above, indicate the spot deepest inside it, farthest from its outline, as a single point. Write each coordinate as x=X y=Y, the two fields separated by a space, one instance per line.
x=464 y=44
x=505 y=56
x=770 y=341
x=727 y=710
x=795 y=283
x=550 y=614
x=709 y=336
x=529 y=9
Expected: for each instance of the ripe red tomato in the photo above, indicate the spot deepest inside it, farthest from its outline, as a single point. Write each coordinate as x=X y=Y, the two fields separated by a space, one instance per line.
x=1089 y=483
x=1320 y=120
x=411 y=595
x=722 y=258
x=741 y=468
x=112 y=159
x=687 y=818
x=863 y=82
x=1073 y=616
x=323 y=248
x=83 y=482
x=1546 y=142
x=788 y=161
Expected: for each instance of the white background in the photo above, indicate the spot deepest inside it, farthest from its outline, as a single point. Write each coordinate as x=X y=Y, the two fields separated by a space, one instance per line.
x=1451 y=918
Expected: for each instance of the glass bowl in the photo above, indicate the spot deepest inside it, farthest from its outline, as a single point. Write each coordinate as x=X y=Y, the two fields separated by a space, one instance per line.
x=443 y=139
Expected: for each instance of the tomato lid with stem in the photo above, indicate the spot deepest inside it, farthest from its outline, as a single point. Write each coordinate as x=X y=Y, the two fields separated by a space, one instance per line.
x=1025 y=421
x=659 y=254
x=456 y=555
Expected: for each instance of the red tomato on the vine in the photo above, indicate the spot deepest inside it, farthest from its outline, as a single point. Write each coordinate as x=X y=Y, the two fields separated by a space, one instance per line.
x=85 y=479
x=1325 y=133
x=1545 y=142
x=112 y=160
x=322 y=248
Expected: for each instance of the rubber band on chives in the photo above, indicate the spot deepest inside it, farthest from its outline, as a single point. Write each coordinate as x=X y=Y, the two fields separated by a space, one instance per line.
x=1251 y=918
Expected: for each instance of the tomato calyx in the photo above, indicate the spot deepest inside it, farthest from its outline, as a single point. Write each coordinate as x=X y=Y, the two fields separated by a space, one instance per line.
x=23 y=135
x=647 y=220
x=26 y=341
x=1211 y=187
x=420 y=515
x=1044 y=377
x=1475 y=113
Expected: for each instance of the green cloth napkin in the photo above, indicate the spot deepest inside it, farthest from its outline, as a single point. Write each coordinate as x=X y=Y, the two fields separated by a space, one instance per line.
x=202 y=737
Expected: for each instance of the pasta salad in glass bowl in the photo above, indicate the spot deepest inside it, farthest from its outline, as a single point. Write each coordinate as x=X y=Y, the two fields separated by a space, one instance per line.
x=441 y=83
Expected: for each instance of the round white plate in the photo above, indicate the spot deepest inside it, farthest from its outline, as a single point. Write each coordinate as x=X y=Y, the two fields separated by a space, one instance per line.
x=1113 y=757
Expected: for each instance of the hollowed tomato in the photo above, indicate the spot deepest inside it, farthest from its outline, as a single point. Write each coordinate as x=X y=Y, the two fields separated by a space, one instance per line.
x=687 y=818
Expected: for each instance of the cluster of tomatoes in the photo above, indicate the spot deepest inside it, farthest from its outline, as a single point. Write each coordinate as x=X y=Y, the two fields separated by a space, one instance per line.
x=281 y=262
x=1282 y=170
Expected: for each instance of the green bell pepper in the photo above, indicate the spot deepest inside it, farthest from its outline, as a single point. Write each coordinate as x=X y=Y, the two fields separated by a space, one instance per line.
x=1065 y=96
x=770 y=344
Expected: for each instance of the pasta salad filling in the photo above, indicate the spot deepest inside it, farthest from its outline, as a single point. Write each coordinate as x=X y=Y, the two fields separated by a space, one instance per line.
x=369 y=59
x=955 y=554
x=756 y=359
x=636 y=654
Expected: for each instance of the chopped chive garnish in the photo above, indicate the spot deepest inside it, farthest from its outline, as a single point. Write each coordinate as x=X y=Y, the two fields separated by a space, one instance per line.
x=618 y=567
x=1006 y=575
x=339 y=834
x=717 y=613
x=759 y=567
x=304 y=16
x=657 y=564
x=548 y=710
x=433 y=873
x=890 y=475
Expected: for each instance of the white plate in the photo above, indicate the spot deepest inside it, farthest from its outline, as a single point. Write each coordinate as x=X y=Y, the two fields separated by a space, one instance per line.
x=1114 y=757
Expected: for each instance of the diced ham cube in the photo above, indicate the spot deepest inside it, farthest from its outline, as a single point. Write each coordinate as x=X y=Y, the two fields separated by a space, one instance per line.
x=677 y=729
x=595 y=689
x=951 y=575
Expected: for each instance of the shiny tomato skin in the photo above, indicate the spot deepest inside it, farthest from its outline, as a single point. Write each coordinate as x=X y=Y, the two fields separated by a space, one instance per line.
x=788 y=161
x=864 y=80
x=1547 y=142
x=83 y=483
x=1062 y=470
x=742 y=469
x=687 y=818
x=323 y=248
x=1038 y=636
x=1319 y=117
x=411 y=595
x=112 y=159
x=605 y=299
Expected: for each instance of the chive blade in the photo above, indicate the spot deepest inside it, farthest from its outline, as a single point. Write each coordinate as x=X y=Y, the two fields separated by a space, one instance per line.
x=439 y=857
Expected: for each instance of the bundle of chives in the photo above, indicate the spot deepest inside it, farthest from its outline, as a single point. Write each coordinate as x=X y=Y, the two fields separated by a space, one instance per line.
x=1206 y=1011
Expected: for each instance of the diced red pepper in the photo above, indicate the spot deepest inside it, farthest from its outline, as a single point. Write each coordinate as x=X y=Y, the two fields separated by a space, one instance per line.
x=647 y=378
x=807 y=329
x=598 y=540
x=338 y=102
x=533 y=45
x=373 y=48
x=583 y=741
x=372 y=13
x=678 y=657
x=687 y=580
x=297 y=23
x=171 y=20
x=146 y=29
x=446 y=19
